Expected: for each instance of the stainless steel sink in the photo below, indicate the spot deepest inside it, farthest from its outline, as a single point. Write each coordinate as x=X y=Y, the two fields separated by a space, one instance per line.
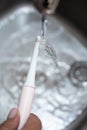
x=57 y=103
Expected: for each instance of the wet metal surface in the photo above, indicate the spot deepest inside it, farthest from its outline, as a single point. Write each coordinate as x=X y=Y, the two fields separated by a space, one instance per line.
x=78 y=73
x=57 y=102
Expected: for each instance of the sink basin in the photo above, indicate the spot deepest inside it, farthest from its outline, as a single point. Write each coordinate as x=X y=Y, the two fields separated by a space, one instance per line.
x=58 y=103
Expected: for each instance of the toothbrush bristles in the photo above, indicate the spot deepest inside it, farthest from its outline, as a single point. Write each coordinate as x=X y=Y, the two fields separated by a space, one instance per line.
x=38 y=39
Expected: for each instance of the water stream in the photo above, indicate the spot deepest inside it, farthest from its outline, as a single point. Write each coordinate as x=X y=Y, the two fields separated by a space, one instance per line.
x=46 y=46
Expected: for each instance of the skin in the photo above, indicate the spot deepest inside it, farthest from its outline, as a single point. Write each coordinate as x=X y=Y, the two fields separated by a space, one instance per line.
x=33 y=123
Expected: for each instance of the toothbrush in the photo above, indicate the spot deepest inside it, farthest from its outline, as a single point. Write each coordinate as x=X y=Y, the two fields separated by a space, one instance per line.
x=28 y=89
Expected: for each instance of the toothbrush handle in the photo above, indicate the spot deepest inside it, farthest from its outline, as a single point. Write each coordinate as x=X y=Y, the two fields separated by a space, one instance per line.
x=25 y=104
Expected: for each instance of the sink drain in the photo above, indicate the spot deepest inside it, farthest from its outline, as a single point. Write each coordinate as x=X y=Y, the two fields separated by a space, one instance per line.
x=78 y=73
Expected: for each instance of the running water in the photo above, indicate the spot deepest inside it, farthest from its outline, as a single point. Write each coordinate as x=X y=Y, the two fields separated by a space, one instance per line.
x=46 y=46
x=44 y=28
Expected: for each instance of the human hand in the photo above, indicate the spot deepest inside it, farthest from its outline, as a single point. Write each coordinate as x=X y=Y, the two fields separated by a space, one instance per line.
x=12 y=122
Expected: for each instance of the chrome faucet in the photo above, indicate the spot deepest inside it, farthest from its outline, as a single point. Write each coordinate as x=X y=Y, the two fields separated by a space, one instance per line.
x=46 y=6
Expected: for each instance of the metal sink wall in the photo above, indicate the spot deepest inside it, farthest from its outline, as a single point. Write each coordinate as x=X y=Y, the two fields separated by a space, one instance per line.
x=58 y=102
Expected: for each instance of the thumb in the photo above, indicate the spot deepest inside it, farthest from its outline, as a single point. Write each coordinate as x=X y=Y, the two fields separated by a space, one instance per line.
x=12 y=121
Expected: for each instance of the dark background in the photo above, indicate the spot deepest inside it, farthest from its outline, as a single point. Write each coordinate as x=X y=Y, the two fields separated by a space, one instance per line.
x=74 y=11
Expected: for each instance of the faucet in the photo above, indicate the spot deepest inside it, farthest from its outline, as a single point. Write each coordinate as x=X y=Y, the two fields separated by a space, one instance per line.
x=46 y=6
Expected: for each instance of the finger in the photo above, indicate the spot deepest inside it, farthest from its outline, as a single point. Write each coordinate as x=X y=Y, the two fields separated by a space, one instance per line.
x=12 y=121
x=33 y=123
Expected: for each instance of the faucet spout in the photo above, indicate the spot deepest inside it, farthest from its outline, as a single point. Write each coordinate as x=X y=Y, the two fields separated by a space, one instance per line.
x=46 y=6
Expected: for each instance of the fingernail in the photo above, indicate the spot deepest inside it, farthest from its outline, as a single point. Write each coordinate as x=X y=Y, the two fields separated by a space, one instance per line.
x=13 y=113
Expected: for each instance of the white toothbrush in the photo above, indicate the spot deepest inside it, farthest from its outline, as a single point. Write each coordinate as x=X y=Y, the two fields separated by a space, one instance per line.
x=28 y=89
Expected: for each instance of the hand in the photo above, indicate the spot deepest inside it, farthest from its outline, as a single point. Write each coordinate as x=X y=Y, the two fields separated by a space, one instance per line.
x=12 y=122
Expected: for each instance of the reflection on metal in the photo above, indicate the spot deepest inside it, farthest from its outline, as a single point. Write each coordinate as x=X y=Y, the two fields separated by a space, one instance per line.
x=57 y=102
